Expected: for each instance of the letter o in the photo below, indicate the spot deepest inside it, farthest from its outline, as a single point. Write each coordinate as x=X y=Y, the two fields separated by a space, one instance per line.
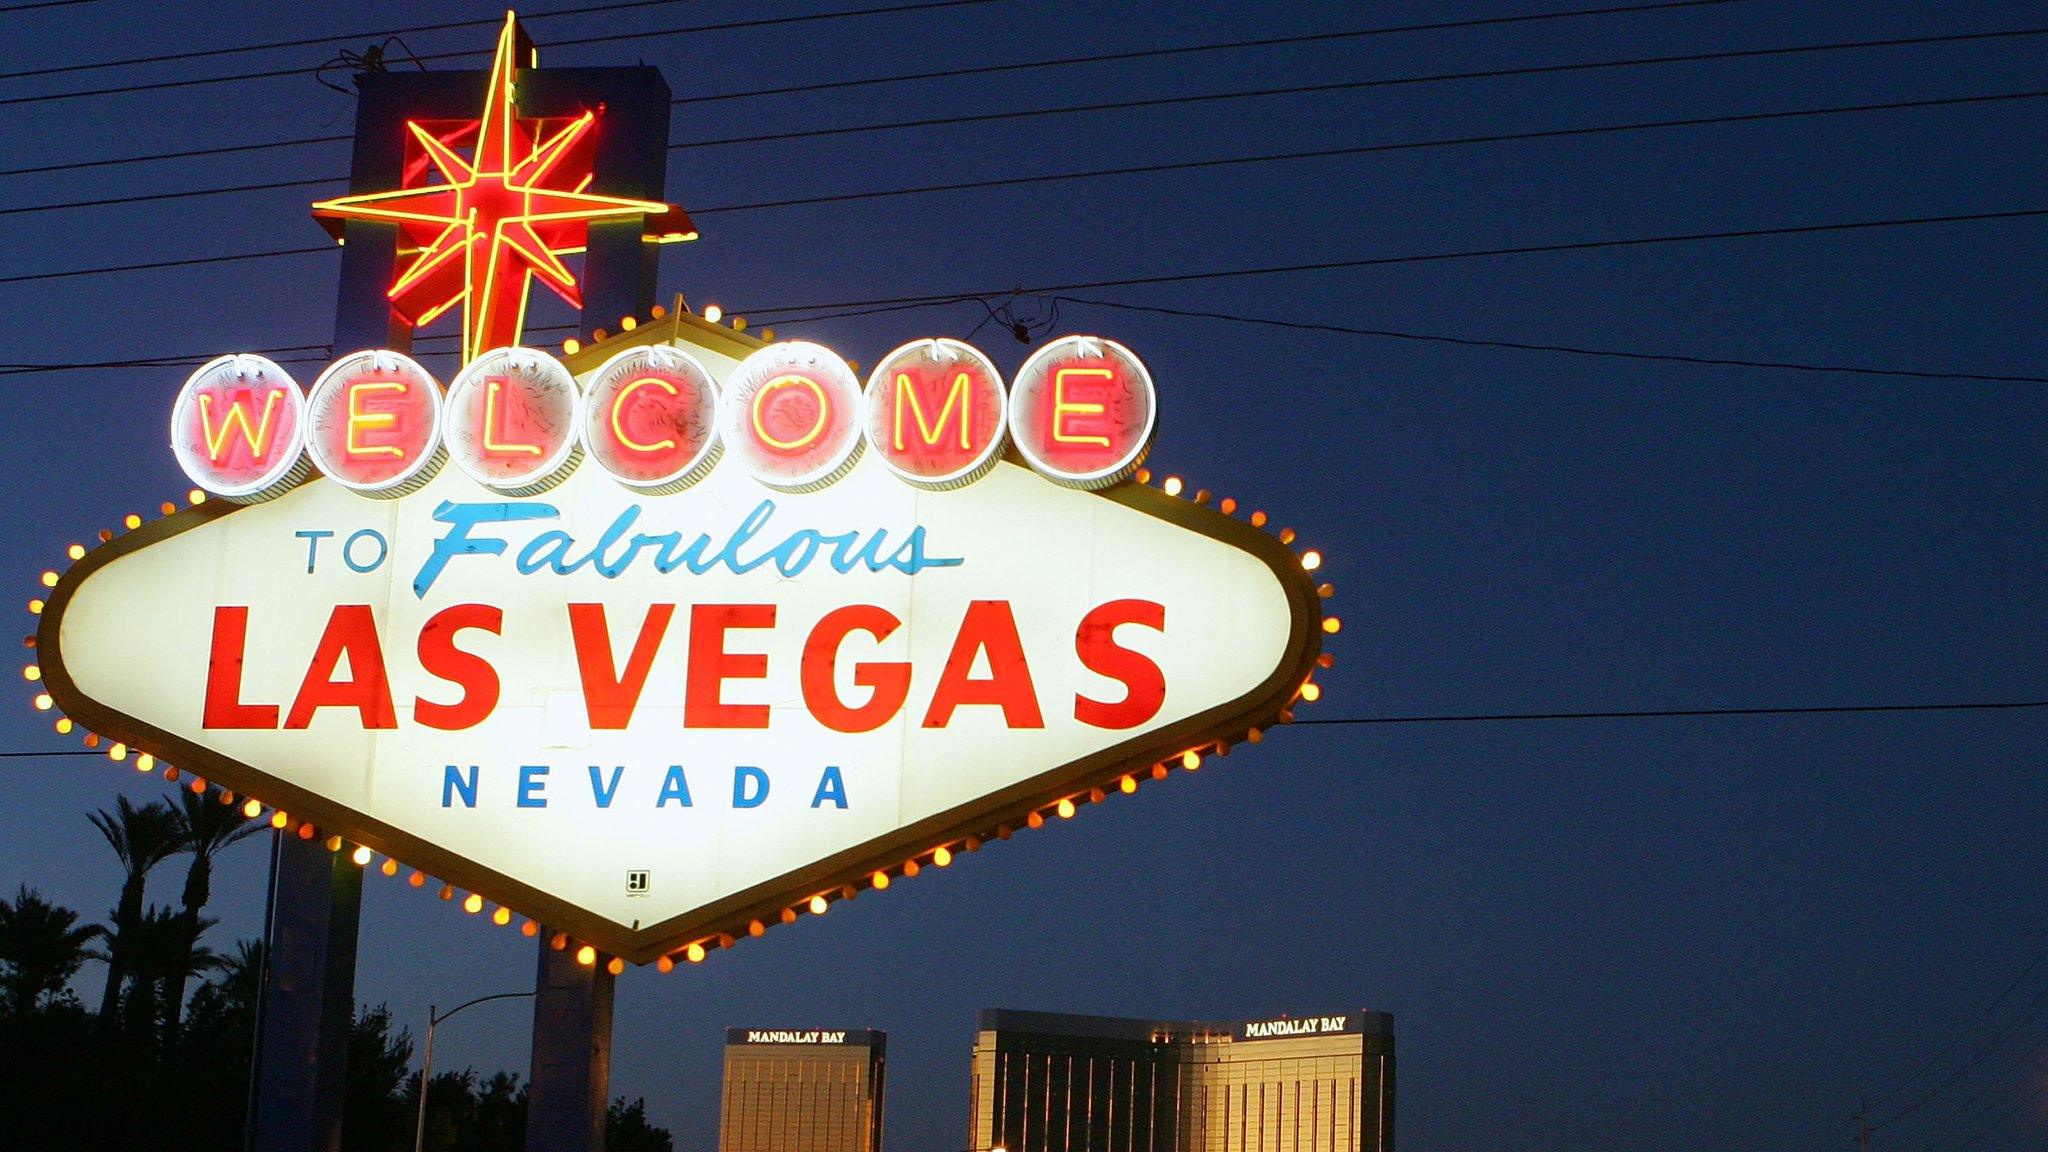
x=790 y=414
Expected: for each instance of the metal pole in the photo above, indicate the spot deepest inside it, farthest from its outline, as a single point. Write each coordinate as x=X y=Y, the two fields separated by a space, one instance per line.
x=262 y=987
x=419 y=1130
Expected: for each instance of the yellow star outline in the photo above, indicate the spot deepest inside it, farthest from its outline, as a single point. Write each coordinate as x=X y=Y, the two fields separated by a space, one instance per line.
x=498 y=219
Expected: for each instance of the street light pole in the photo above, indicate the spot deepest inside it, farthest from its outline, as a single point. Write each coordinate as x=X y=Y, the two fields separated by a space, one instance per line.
x=419 y=1130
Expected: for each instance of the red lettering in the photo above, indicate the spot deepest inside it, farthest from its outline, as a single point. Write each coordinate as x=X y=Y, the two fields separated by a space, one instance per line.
x=609 y=699
x=1144 y=685
x=351 y=632
x=989 y=626
x=224 y=707
x=472 y=673
x=890 y=681
x=711 y=666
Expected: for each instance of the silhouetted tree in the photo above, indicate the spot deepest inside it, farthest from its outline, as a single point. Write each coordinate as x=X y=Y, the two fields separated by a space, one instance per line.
x=142 y=838
x=207 y=827
x=41 y=947
x=374 y=1116
x=626 y=1129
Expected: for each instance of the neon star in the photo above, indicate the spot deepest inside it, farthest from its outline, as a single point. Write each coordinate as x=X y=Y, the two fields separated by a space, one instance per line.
x=505 y=215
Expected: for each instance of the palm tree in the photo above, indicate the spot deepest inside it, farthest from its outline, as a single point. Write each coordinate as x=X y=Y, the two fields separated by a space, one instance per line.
x=159 y=958
x=143 y=838
x=207 y=827
x=41 y=948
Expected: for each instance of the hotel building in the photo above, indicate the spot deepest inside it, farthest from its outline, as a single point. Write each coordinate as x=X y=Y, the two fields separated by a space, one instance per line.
x=802 y=1091
x=1054 y=1083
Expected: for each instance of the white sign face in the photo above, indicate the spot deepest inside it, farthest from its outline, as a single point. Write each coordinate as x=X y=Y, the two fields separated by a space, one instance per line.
x=732 y=691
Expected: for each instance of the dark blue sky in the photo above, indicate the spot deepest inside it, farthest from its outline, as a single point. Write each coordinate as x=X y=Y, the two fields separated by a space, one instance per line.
x=1593 y=935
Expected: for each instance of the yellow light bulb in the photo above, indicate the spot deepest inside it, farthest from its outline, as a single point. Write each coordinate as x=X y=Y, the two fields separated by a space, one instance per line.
x=1311 y=692
x=1066 y=809
x=1127 y=785
x=694 y=953
x=1311 y=560
x=32 y=673
x=881 y=880
x=390 y=867
x=334 y=843
x=195 y=496
x=43 y=702
x=472 y=903
x=501 y=917
x=49 y=579
x=35 y=607
x=64 y=726
x=1332 y=625
x=361 y=855
x=252 y=809
x=1172 y=486
x=1191 y=759
x=119 y=752
x=616 y=966
x=132 y=521
x=943 y=856
x=818 y=905
x=279 y=820
x=586 y=955
x=713 y=313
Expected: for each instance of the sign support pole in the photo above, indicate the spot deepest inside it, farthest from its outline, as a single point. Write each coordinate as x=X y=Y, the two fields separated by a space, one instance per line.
x=309 y=1002
x=570 y=1083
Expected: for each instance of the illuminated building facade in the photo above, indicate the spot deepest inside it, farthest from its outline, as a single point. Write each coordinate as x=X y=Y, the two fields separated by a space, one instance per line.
x=1054 y=1083
x=802 y=1091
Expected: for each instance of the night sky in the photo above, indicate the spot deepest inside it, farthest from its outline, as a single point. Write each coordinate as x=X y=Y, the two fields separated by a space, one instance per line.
x=1594 y=934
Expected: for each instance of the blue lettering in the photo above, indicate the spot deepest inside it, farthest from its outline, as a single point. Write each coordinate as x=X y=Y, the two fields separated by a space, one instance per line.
x=348 y=549
x=550 y=549
x=602 y=792
x=830 y=787
x=452 y=782
x=532 y=779
x=749 y=787
x=457 y=541
x=312 y=537
x=674 y=787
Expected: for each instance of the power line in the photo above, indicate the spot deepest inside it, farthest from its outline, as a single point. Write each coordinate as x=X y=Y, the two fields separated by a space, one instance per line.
x=1432 y=257
x=1433 y=78
x=41 y=4
x=1184 y=277
x=1569 y=349
x=1982 y=1015
x=1491 y=718
x=1680 y=713
x=1171 y=166
x=2032 y=1007
x=307 y=41
x=1353 y=85
x=723 y=26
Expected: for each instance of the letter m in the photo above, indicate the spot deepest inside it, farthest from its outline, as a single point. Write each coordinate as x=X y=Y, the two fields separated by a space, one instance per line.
x=931 y=433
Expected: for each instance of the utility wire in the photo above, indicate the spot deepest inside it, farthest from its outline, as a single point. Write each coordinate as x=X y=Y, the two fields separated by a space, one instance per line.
x=1569 y=349
x=723 y=26
x=1355 y=85
x=1463 y=718
x=1993 y=1082
x=41 y=4
x=1446 y=77
x=1428 y=258
x=1143 y=169
x=307 y=41
x=1184 y=277
x=2033 y=1006
x=1679 y=714
x=1982 y=1015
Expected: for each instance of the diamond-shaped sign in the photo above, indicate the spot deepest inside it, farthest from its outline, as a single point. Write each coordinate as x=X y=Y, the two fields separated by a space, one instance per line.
x=652 y=720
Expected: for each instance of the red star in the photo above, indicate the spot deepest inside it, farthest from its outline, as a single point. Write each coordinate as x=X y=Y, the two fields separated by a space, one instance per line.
x=507 y=214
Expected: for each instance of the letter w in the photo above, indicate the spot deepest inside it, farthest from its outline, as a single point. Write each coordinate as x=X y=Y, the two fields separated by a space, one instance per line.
x=256 y=437
x=609 y=698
